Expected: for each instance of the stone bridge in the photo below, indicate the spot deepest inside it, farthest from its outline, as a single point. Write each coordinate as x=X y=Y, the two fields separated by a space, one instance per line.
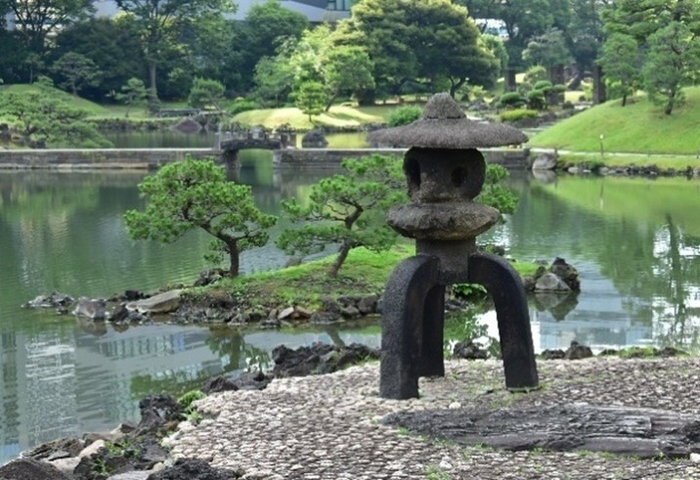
x=256 y=137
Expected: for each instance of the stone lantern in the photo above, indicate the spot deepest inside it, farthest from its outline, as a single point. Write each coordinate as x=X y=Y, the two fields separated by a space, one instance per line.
x=445 y=171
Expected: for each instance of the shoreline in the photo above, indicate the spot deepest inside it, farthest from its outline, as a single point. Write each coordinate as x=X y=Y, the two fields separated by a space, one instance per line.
x=330 y=427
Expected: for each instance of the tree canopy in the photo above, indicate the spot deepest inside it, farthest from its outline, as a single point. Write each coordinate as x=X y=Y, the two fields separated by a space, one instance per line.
x=348 y=210
x=157 y=22
x=426 y=40
x=194 y=194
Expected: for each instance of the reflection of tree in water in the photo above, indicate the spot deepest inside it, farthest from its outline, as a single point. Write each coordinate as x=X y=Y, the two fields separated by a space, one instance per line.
x=656 y=268
x=231 y=352
x=234 y=353
x=680 y=305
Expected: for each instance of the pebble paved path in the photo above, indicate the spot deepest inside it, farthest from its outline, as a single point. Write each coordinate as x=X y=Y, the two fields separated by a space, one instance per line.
x=329 y=427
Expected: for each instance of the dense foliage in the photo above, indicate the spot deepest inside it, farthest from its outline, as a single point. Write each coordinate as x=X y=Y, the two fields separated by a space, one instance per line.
x=195 y=194
x=44 y=117
x=347 y=210
x=386 y=47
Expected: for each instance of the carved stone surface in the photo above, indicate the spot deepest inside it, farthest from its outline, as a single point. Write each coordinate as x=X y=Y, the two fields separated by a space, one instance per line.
x=643 y=432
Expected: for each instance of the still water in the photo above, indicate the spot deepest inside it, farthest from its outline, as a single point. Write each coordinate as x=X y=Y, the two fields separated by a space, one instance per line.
x=635 y=242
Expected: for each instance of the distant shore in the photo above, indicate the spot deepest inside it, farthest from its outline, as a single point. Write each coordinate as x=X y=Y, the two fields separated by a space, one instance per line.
x=98 y=158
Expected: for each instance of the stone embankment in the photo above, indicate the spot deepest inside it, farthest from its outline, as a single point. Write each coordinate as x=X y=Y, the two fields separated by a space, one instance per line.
x=107 y=158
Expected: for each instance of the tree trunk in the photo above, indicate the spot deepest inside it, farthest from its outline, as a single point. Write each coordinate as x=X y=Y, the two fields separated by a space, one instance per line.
x=234 y=257
x=624 y=99
x=339 y=260
x=330 y=102
x=152 y=74
x=670 y=103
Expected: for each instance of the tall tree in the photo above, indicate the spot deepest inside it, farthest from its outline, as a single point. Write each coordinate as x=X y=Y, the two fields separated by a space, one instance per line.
x=158 y=22
x=620 y=60
x=548 y=49
x=419 y=39
x=522 y=19
x=36 y=20
x=77 y=71
x=266 y=27
x=347 y=70
x=584 y=35
x=672 y=63
x=113 y=46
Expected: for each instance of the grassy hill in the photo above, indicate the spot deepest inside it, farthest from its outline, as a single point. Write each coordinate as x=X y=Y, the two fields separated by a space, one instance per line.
x=338 y=116
x=640 y=127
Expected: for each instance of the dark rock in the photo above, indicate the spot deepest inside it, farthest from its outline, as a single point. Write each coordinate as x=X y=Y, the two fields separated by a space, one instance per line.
x=315 y=138
x=271 y=323
x=131 y=295
x=350 y=312
x=567 y=273
x=670 y=352
x=324 y=318
x=368 y=305
x=642 y=432
x=95 y=309
x=122 y=315
x=218 y=384
x=317 y=359
x=468 y=350
x=52 y=300
x=61 y=448
x=253 y=381
x=156 y=410
x=207 y=277
x=577 y=351
x=194 y=469
x=330 y=306
x=553 y=354
x=30 y=469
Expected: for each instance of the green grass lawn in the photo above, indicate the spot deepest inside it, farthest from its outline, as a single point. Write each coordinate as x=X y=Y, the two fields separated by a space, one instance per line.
x=338 y=116
x=640 y=127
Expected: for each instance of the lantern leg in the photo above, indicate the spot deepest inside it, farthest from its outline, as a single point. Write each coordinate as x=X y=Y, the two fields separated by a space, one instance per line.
x=508 y=293
x=409 y=293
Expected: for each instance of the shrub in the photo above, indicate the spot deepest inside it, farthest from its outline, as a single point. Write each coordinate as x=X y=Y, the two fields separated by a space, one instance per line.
x=518 y=114
x=535 y=74
x=404 y=115
x=542 y=85
x=511 y=100
x=242 y=106
x=536 y=100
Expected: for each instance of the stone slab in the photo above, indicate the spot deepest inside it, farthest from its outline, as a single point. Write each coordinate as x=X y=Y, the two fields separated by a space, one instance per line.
x=643 y=432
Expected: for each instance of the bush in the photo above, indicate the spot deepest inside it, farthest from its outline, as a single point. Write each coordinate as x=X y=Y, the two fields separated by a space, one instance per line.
x=404 y=115
x=242 y=106
x=518 y=114
x=536 y=100
x=511 y=100
x=543 y=85
x=535 y=74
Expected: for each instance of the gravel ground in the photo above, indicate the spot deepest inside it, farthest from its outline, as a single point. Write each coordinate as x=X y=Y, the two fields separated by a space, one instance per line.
x=329 y=426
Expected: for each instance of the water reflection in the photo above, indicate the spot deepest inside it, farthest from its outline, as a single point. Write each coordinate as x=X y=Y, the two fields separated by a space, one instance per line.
x=56 y=385
x=635 y=243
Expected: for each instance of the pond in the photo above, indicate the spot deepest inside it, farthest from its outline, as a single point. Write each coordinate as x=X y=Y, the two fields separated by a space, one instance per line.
x=635 y=242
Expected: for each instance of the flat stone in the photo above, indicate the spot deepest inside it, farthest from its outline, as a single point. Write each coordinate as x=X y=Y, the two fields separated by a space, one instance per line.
x=643 y=432
x=161 y=303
